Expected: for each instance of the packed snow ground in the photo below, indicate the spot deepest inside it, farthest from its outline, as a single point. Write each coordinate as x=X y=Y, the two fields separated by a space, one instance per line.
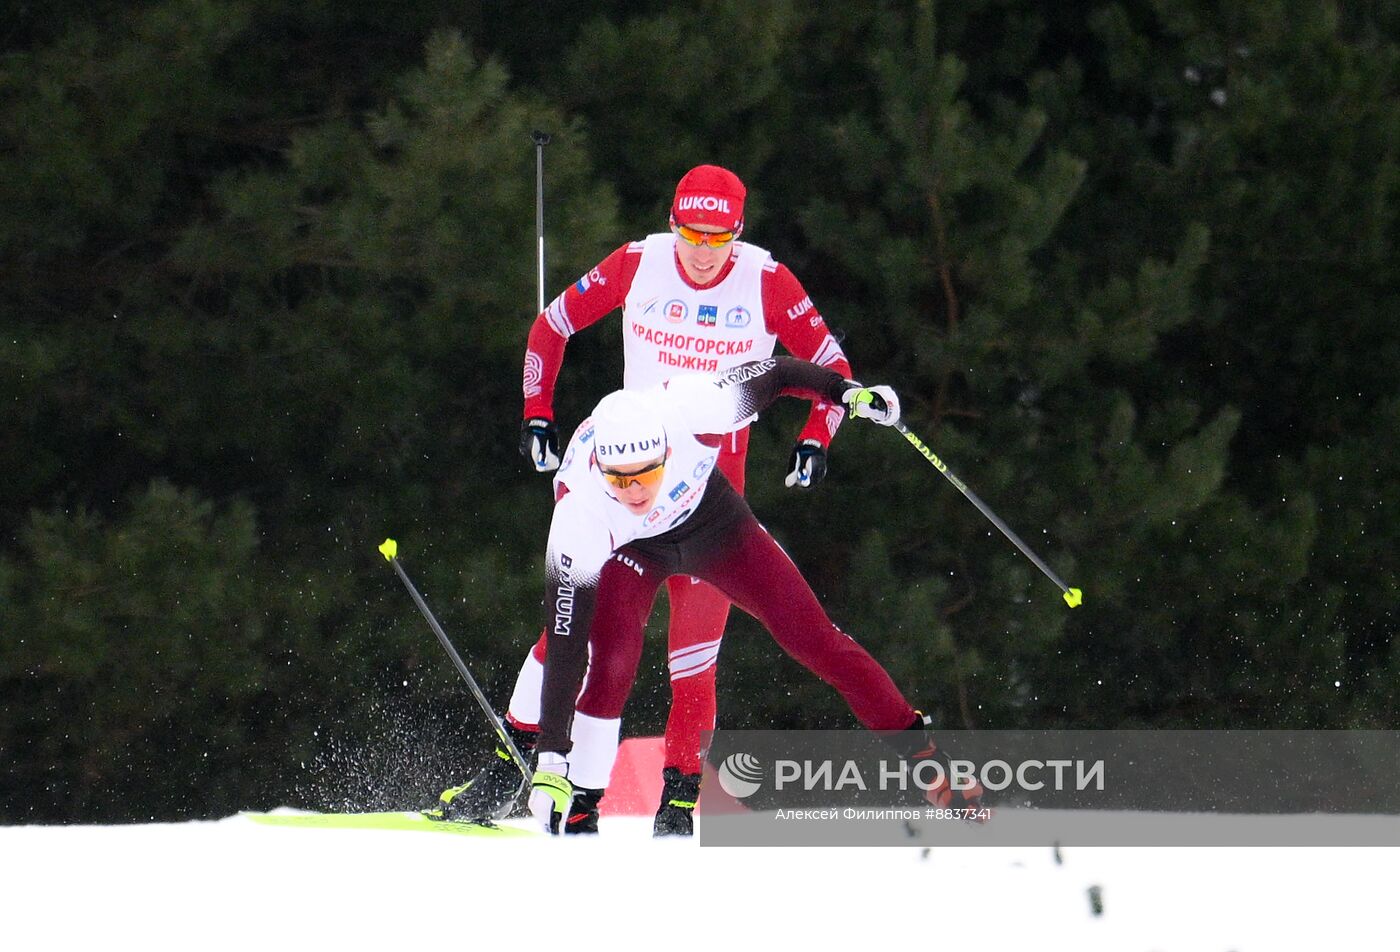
x=233 y=884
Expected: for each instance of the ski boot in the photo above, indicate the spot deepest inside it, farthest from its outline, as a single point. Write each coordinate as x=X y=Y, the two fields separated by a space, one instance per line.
x=494 y=790
x=678 y=795
x=915 y=743
x=583 y=815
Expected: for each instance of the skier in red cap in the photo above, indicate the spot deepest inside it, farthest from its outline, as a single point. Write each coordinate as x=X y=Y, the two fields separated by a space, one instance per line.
x=694 y=298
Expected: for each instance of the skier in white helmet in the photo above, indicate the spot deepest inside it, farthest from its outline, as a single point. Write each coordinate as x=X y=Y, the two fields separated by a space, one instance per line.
x=639 y=501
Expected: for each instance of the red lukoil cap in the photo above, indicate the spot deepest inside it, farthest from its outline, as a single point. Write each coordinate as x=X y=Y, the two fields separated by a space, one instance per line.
x=710 y=195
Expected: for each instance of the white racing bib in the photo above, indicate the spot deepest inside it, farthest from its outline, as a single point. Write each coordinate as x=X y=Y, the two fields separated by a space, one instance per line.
x=669 y=327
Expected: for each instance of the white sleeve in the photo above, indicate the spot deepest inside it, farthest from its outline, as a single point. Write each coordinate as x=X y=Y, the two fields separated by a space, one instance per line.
x=580 y=543
x=724 y=402
x=713 y=403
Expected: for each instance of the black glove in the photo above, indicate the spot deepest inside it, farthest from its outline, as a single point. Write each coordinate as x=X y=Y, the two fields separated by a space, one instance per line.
x=807 y=465
x=539 y=443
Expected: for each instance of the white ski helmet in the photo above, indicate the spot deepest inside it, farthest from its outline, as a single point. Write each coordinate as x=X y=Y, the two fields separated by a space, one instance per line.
x=627 y=430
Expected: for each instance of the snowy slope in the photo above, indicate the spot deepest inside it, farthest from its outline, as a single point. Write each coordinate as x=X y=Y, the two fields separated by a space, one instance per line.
x=233 y=884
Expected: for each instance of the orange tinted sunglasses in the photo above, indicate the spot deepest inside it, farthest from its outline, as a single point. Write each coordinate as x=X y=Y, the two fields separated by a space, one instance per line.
x=717 y=239
x=646 y=478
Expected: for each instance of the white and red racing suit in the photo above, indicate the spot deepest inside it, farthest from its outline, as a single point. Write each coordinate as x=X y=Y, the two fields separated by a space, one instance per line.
x=671 y=325
x=604 y=565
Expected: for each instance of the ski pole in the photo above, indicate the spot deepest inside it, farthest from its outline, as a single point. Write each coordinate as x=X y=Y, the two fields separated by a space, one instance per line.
x=1073 y=596
x=390 y=550
x=541 y=140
